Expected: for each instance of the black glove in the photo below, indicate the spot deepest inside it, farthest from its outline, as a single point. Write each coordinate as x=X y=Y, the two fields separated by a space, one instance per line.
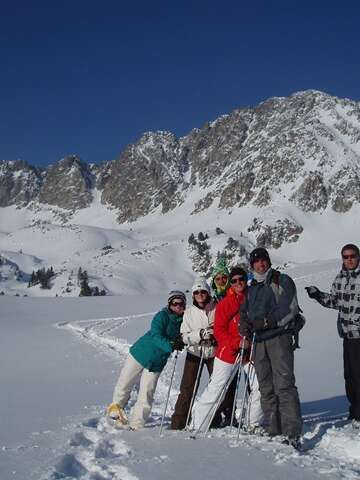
x=178 y=343
x=207 y=333
x=245 y=328
x=313 y=292
x=210 y=342
x=259 y=324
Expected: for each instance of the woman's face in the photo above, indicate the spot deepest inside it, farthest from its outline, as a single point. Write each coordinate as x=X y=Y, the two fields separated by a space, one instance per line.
x=201 y=297
x=177 y=306
x=238 y=283
x=221 y=280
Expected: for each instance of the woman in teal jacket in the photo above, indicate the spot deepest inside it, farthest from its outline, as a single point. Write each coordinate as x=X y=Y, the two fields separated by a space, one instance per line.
x=146 y=360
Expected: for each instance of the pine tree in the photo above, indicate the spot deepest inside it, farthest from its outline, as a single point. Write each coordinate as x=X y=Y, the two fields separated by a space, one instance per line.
x=85 y=290
x=191 y=238
x=79 y=276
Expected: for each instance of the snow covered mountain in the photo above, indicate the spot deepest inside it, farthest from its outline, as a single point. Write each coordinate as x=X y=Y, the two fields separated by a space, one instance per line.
x=283 y=174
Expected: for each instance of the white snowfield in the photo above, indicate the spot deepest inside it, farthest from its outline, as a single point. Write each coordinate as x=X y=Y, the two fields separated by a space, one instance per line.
x=60 y=359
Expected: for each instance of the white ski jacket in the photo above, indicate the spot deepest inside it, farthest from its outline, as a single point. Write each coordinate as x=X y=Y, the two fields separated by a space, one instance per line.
x=194 y=320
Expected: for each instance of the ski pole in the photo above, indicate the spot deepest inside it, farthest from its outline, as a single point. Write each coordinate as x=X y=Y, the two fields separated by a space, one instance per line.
x=168 y=394
x=237 y=383
x=252 y=374
x=217 y=404
x=252 y=352
x=195 y=387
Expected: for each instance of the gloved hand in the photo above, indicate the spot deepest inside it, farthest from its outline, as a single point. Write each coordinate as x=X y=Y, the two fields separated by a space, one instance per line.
x=206 y=333
x=313 y=292
x=211 y=342
x=245 y=328
x=259 y=324
x=178 y=343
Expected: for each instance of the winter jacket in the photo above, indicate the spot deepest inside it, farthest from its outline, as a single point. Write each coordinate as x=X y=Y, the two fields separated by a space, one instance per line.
x=276 y=302
x=154 y=348
x=345 y=297
x=226 y=329
x=194 y=320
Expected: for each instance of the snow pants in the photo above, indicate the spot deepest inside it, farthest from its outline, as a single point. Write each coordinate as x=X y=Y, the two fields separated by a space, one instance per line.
x=187 y=385
x=351 y=353
x=274 y=365
x=191 y=368
x=133 y=373
x=221 y=373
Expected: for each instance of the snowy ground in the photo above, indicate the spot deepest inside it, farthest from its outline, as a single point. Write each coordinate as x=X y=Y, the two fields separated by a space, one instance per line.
x=60 y=360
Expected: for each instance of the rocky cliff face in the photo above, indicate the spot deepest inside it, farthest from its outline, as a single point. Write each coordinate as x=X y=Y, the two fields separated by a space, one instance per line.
x=19 y=183
x=67 y=184
x=148 y=175
x=304 y=149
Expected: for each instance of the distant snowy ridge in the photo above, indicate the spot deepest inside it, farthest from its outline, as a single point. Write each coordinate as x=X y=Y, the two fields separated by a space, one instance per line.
x=283 y=174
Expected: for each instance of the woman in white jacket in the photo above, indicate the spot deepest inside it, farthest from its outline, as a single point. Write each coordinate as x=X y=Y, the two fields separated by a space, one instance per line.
x=198 y=334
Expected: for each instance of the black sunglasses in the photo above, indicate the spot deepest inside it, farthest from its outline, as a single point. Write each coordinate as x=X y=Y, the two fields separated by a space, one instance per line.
x=352 y=255
x=237 y=280
x=200 y=292
x=177 y=304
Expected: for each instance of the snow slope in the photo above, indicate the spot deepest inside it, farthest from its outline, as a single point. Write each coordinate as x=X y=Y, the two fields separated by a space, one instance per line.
x=151 y=254
x=62 y=358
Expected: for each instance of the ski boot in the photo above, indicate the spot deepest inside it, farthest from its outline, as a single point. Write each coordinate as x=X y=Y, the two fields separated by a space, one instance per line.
x=116 y=415
x=293 y=442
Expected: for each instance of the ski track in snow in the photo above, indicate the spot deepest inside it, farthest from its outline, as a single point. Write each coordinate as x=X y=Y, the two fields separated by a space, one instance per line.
x=98 y=451
x=96 y=332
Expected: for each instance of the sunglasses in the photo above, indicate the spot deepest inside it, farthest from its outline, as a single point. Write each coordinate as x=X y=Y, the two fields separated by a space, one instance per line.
x=200 y=292
x=177 y=304
x=346 y=257
x=237 y=280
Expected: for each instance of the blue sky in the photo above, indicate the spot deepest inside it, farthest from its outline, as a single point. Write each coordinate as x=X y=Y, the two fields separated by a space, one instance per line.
x=91 y=77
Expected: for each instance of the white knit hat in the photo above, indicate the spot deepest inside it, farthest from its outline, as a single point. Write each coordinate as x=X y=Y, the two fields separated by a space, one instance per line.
x=200 y=284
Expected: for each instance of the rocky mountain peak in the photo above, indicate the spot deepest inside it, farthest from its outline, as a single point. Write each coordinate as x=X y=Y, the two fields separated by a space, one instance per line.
x=147 y=175
x=19 y=183
x=67 y=184
x=303 y=149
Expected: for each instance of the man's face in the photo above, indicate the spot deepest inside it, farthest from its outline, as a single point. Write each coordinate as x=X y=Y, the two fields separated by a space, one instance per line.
x=261 y=265
x=350 y=259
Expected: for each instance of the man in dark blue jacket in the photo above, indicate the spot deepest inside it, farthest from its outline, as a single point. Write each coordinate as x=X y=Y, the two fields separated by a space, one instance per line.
x=270 y=312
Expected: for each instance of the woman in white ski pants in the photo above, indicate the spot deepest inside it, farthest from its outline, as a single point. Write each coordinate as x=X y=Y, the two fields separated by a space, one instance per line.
x=227 y=335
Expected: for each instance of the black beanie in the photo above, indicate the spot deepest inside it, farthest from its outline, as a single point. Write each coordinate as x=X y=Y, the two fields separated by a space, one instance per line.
x=258 y=253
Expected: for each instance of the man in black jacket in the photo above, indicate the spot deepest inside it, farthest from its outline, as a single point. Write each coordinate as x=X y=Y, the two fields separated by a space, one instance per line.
x=270 y=311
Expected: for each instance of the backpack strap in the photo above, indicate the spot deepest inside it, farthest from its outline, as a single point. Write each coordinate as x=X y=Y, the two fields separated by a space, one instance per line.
x=275 y=285
x=275 y=277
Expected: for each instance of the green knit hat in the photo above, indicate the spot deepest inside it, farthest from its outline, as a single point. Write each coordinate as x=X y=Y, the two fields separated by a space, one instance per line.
x=220 y=267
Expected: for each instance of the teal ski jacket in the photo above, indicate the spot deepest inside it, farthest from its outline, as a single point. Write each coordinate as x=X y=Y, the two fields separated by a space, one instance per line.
x=153 y=349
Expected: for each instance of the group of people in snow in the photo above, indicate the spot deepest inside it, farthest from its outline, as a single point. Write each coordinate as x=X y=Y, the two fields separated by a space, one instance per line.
x=249 y=320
